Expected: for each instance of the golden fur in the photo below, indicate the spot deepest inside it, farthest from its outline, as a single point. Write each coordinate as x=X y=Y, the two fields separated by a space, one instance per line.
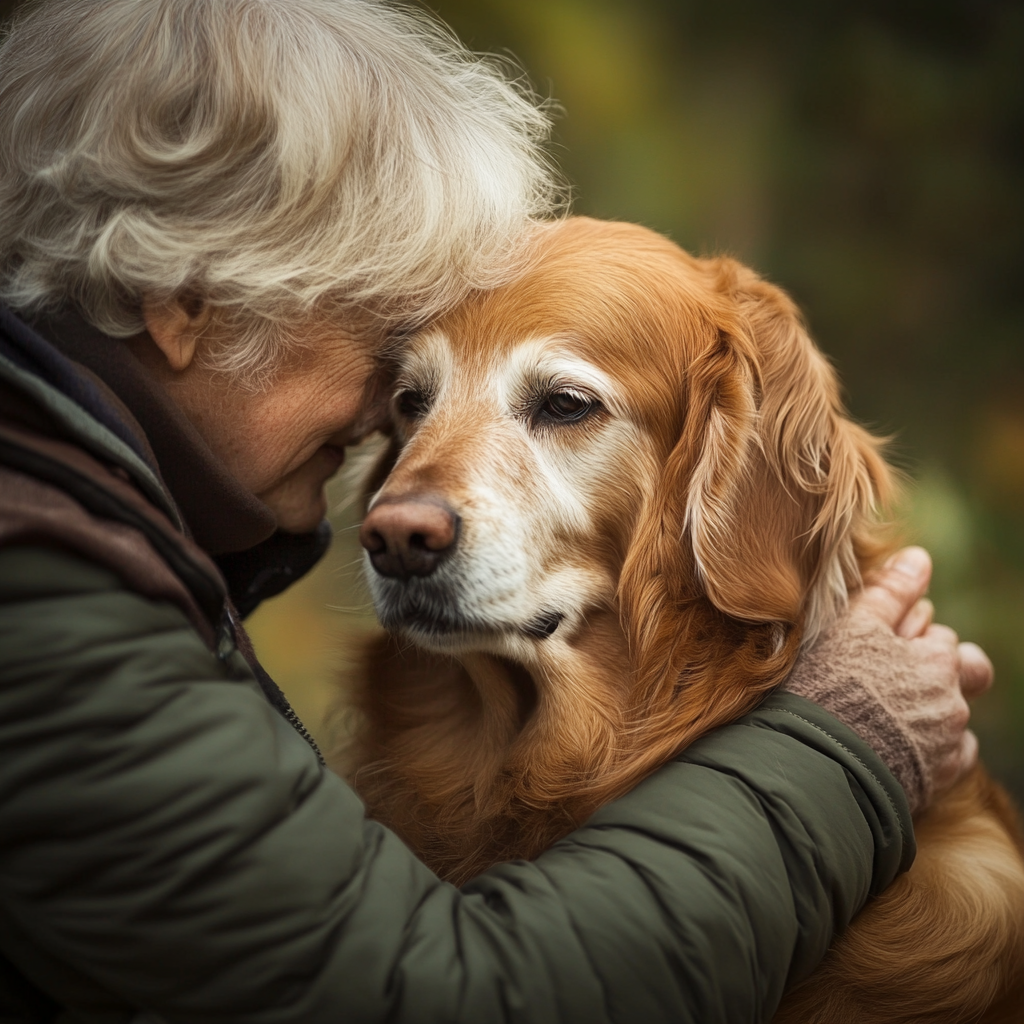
x=710 y=512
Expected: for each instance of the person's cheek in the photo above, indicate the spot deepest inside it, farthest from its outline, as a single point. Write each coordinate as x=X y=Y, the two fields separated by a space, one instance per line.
x=299 y=501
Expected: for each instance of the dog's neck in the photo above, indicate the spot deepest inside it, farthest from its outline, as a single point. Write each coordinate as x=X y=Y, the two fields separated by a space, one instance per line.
x=477 y=758
x=567 y=704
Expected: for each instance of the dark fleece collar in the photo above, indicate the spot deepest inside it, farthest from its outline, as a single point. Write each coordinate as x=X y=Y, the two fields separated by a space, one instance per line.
x=228 y=521
x=222 y=515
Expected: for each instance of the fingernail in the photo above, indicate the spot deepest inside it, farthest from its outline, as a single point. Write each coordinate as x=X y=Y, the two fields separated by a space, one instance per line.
x=913 y=562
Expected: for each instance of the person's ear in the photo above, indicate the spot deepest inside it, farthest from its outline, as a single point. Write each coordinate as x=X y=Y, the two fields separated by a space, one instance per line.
x=175 y=325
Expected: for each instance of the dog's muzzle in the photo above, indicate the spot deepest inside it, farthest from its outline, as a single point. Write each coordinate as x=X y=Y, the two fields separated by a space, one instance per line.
x=408 y=537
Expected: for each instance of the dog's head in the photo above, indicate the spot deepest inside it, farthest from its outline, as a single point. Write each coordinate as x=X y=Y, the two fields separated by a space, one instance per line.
x=629 y=429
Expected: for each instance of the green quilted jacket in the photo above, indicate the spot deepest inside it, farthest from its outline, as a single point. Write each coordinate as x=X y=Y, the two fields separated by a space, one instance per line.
x=172 y=848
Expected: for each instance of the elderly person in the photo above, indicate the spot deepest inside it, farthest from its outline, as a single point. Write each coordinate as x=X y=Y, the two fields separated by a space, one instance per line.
x=213 y=216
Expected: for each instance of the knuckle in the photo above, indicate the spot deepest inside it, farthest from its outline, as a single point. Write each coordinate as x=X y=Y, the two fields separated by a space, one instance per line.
x=960 y=715
x=975 y=665
x=945 y=773
x=943 y=635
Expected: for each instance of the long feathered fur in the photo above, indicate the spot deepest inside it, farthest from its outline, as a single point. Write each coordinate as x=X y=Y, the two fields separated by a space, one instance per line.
x=737 y=512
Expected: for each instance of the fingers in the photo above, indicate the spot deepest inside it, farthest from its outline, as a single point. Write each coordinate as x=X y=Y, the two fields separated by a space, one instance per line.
x=976 y=670
x=917 y=620
x=968 y=752
x=942 y=635
x=975 y=677
x=894 y=591
x=966 y=758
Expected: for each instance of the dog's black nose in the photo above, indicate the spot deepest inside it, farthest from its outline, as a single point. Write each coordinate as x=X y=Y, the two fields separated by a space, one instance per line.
x=409 y=536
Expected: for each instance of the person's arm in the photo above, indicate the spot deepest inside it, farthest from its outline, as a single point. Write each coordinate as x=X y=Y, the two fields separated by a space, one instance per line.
x=168 y=842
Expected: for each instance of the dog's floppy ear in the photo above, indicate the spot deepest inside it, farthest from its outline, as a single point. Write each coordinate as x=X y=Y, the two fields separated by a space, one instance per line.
x=784 y=482
x=751 y=538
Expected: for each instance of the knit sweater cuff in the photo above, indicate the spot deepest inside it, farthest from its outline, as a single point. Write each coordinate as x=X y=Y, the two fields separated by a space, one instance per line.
x=853 y=704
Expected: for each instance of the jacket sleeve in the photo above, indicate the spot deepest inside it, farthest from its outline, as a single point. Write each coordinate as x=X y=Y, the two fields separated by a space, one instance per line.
x=169 y=843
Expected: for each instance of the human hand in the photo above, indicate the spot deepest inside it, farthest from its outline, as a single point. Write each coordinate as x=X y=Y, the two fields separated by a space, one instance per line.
x=900 y=681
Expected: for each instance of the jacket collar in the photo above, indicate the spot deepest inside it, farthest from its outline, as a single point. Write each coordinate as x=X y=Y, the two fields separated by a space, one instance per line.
x=222 y=515
x=111 y=402
x=30 y=352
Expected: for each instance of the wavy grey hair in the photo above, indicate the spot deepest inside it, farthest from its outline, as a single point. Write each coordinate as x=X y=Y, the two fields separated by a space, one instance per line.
x=275 y=157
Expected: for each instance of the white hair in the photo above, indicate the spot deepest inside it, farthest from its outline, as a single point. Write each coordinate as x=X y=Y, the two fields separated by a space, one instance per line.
x=275 y=157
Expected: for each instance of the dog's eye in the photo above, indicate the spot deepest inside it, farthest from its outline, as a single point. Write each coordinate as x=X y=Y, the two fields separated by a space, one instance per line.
x=565 y=407
x=412 y=403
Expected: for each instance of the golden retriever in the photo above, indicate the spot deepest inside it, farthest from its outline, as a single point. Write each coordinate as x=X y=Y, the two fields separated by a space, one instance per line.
x=621 y=494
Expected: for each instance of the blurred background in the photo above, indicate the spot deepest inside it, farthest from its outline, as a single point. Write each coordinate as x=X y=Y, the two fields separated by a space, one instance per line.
x=868 y=157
